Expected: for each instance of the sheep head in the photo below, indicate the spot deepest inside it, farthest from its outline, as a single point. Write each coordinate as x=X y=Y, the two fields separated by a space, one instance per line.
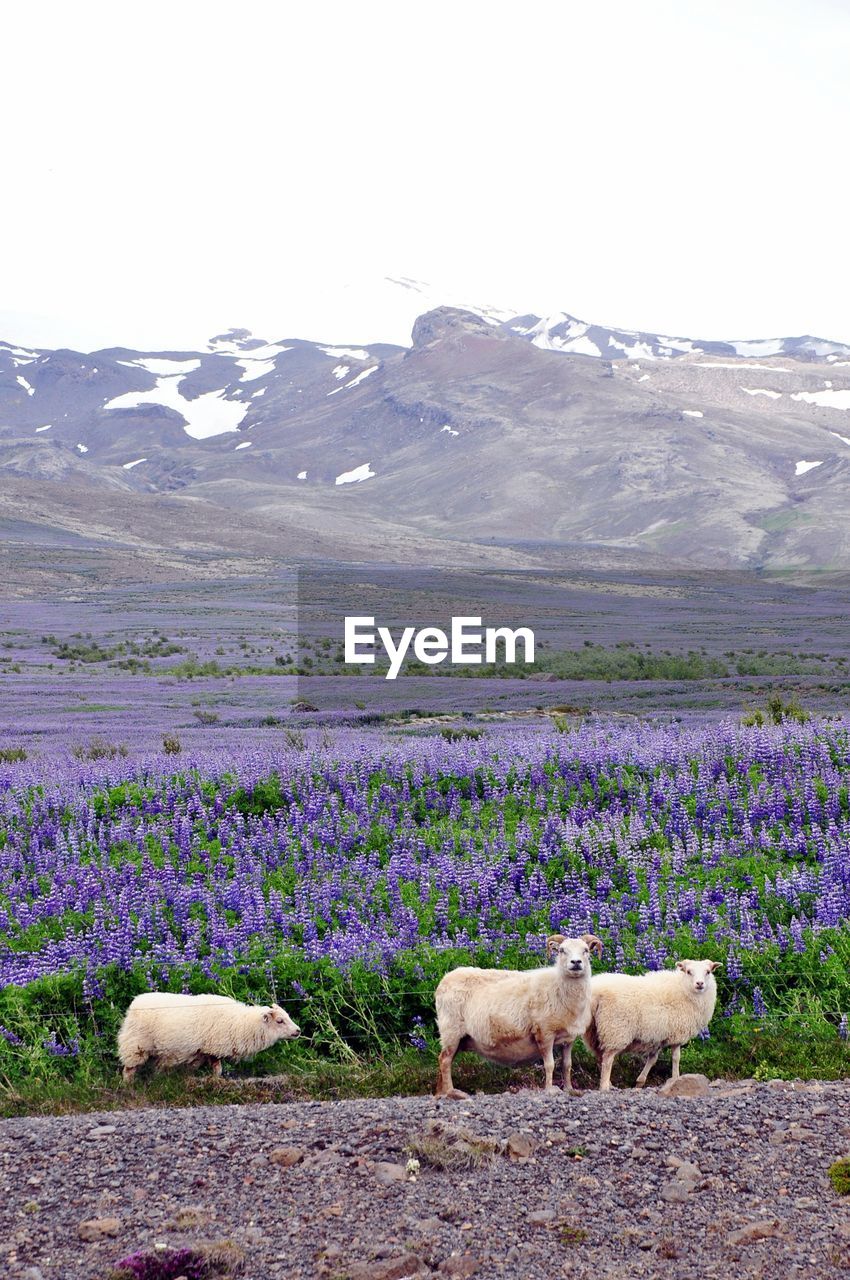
x=572 y=955
x=279 y=1023
x=698 y=975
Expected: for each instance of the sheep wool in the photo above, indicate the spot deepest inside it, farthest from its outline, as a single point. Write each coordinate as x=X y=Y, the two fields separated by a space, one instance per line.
x=648 y=1012
x=184 y=1029
x=515 y=1016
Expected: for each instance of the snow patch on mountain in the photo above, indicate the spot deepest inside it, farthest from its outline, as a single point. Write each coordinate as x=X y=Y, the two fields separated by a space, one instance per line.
x=802 y=467
x=254 y=369
x=26 y=386
x=128 y=466
x=346 y=353
x=25 y=356
x=363 y=472
x=164 y=367
x=360 y=377
x=761 y=347
x=207 y=415
x=826 y=399
x=762 y=391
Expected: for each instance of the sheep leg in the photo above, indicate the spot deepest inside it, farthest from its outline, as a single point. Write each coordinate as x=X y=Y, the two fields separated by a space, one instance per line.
x=605 y=1070
x=445 y=1087
x=568 y=1066
x=216 y=1066
x=647 y=1067
x=676 y=1054
x=546 y=1045
x=129 y=1074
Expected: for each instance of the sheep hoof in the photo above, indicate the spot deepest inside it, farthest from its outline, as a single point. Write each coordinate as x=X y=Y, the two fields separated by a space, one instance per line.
x=551 y=1088
x=456 y=1095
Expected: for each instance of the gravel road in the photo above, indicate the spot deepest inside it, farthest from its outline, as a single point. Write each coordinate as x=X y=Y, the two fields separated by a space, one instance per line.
x=729 y=1184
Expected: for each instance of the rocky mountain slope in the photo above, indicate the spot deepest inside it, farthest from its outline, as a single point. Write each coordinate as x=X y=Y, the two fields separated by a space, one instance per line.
x=542 y=438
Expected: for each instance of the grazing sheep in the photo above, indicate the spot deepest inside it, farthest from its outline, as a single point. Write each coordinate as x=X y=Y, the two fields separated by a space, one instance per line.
x=516 y=1016
x=648 y=1012
x=178 y=1029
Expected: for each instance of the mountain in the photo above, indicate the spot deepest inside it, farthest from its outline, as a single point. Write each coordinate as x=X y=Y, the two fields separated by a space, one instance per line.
x=490 y=438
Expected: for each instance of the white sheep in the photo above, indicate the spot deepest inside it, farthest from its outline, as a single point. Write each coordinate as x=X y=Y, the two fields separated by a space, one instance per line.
x=180 y=1029
x=516 y=1016
x=645 y=1013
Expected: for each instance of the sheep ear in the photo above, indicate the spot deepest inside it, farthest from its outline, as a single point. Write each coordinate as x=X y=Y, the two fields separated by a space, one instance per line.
x=714 y=964
x=267 y=1016
x=553 y=942
x=593 y=942
x=682 y=964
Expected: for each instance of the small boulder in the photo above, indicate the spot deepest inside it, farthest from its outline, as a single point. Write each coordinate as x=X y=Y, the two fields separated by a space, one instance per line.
x=98 y=1228
x=387 y=1172
x=286 y=1156
x=460 y=1265
x=687 y=1086
x=541 y=1217
x=676 y=1192
x=520 y=1146
x=754 y=1231
x=398 y=1268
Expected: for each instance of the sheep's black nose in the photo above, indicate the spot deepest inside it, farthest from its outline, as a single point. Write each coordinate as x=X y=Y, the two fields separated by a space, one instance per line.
x=576 y=964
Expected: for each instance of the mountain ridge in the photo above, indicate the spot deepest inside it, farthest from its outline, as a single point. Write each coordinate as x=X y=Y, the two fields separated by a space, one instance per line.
x=483 y=432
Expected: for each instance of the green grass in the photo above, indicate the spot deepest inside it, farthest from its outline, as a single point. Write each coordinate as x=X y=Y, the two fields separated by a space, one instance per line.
x=291 y=1073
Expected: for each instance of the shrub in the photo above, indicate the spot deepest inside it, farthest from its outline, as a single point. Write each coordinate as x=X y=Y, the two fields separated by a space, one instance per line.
x=12 y=755
x=776 y=711
x=206 y=717
x=171 y=744
x=839 y=1176
x=100 y=749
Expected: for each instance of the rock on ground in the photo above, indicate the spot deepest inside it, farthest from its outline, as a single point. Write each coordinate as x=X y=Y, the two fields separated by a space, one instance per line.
x=623 y=1184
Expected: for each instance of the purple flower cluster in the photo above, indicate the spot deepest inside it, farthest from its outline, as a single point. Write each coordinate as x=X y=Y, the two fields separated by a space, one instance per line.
x=384 y=853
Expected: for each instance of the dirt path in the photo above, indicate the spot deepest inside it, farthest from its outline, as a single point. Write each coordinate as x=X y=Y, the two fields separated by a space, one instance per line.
x=732 y=1184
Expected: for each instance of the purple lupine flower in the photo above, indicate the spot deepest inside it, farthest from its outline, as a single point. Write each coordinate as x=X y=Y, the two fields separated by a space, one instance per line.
x=59 y=1050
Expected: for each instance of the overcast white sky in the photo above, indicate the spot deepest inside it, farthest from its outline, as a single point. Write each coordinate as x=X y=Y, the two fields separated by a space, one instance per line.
x=174 y=168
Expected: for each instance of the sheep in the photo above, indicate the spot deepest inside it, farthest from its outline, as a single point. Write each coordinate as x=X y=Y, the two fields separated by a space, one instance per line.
x=179 y=1029
x=516 y=1016
x=648 y=1012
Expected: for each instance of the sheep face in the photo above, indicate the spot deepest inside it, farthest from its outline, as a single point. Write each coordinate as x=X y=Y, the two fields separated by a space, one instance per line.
x=572 y=955
x=697 y=974
x=280 y=1023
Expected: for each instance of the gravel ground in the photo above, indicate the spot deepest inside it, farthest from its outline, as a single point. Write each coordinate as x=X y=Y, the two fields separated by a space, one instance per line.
x=730 y=1184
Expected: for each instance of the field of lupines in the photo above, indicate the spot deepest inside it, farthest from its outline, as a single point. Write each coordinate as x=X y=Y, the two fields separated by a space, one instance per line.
x=345 y=877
